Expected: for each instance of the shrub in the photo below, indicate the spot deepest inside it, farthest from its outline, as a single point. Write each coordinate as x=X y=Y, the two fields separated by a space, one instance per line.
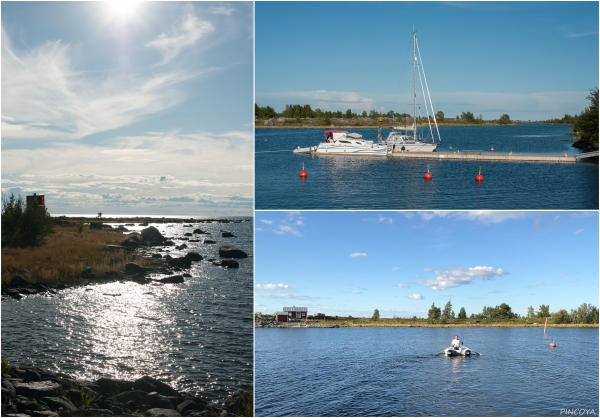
x=24 y=225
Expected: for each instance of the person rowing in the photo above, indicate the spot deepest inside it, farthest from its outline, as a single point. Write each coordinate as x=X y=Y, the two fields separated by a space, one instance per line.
x=456 y=343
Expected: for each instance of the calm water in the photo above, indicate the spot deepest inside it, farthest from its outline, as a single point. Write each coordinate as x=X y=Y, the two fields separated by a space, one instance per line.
x=389 y=183
x=198 y=335
x=394 y=372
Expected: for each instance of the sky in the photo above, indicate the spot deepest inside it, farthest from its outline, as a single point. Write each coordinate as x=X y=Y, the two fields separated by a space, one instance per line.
x=351 y=263
x=138 y=108
x=530 y=60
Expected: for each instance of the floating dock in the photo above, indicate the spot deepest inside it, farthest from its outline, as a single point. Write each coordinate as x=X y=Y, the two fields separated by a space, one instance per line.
x=486 y=156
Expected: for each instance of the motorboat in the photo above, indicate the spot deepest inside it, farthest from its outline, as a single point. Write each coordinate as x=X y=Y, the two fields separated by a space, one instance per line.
x=409 y=138
x=339 y=142
x=457 y=351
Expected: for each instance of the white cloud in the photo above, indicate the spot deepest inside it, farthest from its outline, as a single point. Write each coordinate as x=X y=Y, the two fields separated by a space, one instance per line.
x=483 y=216
x=459 y=276
x=185 y=32
x=286 y=229
x=324 y=99
x=402 y=286
x=266 y=221
x=579 y=231
x=358 y=255
x=224 y=9
x=272 y=286
x=416 y=296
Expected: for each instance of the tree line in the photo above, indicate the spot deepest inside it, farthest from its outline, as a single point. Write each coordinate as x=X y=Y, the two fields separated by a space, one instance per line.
x=584 y=314
x=299 y=112
x=24 y=224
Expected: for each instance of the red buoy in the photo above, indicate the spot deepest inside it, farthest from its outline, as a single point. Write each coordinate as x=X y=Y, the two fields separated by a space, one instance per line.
x=450 y=148
x=303 y=173
x=427 y=175
x=492 y=149
x=552 y=345
x=479 y=177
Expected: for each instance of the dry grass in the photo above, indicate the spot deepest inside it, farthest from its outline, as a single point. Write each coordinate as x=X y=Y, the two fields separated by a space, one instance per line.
x=64 y=255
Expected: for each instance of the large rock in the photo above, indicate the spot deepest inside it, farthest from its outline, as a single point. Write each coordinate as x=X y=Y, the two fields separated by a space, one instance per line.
x=159 y=412
x=171 y=279
x=149 y=384
x=193 y=256
x=38 y=389
x=180 y=262
x=133 y=268
x=230 y=263
x=25 y=404
x=88 y=273
x=8 y=389
x=227 y=234
x=57 y=402
x=109 y=386
x=189 y=405
x=137 y=396
x=156 y=400
x=151 y=232
x=44 y=413
x=18 y=281
x=229 y=251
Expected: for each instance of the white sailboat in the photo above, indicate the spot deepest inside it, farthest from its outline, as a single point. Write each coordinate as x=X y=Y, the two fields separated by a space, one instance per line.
x=339 y=142
x=403 y=139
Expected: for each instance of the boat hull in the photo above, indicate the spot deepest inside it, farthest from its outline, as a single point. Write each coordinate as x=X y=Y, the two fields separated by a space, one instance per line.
x=333 y=149
x=453 y=352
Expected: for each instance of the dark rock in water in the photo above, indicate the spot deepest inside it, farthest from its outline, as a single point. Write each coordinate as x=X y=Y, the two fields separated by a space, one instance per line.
x=156 y=241
x=31 y=376
x=88 y=273
x=168 y=243
x=230 y=251
x=156 y=400
x=194 y=240
x=95 y=225
x=15 y=295
x=209 y=241
x=180 y=262
x=131 y=242
x=199 y=231
x=150 y=233
x=133 y=268
x=189 y=405
x=121 y=228
x=186 y=275
x=158 y=412
x=181 y=247
x=27 y=291
x=149 y=384
x=139 y=278
x=111 y=385
x=188 y=234
x=167 y=257
x=171 y=279
x=193 y=256
x=156 y=255
x=227 y=234
x=230 y=263
x=37 y=389
x=18 y=281
x=39 y=287
x=56 y=402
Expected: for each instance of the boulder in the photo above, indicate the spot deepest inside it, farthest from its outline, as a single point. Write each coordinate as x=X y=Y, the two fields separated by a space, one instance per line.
x=133 y=268
x=31 y=376
x=199 y=231
x=227 y=234
x=181 y=247
x=188 y=234
x=150 y=233
x=18 y=281
x=159 y=412
x=9 y=388
x=37 y=389
x=138 y=397
x=56 y=402
x=149 y=384
x=156 y=241
x=189 y=405
x=95 y=225
x=156 y=400
x=44 y=413
x=156 y=255
x=229 y=251
x=230 y=263
x=139 y=278
x=209 y=241
x=109 y=386
x=25 y=404
x=193 y=256
x=180 y=262
x=171 y=279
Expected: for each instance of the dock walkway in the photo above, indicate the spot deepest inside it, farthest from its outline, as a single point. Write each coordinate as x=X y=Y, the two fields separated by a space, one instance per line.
x=487 y=156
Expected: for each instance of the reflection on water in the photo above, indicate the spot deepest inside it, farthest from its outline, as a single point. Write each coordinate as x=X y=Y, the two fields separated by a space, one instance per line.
x=197 y=335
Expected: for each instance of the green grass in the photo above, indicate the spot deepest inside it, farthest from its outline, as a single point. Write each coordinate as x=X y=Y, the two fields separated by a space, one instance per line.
x=5 y=366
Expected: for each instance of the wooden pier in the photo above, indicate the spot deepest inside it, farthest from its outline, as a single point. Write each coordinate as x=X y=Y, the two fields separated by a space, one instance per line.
x=486 y=156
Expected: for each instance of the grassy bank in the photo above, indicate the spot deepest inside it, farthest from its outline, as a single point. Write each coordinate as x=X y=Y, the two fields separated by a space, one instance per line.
x=65 y=254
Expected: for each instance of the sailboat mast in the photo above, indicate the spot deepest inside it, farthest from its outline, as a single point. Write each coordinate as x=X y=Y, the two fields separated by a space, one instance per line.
x=415 y=83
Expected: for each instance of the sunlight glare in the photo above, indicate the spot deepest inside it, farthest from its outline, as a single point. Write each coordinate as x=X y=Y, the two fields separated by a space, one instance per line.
x=123 y=9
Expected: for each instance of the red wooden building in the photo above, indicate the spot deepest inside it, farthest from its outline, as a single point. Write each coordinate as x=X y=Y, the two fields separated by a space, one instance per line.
x=40 y=199
x=292 y=313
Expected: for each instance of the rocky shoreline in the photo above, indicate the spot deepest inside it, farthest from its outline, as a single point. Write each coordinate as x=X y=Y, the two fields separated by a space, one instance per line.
x=150 y=244
x=30 y=391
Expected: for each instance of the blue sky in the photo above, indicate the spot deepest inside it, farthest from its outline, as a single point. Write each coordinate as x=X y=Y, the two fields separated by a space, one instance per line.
x=129 y=107
x=349 y=263
x=531 y=60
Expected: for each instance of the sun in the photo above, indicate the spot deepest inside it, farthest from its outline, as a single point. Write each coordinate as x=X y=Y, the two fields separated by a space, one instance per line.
x=123 y=9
